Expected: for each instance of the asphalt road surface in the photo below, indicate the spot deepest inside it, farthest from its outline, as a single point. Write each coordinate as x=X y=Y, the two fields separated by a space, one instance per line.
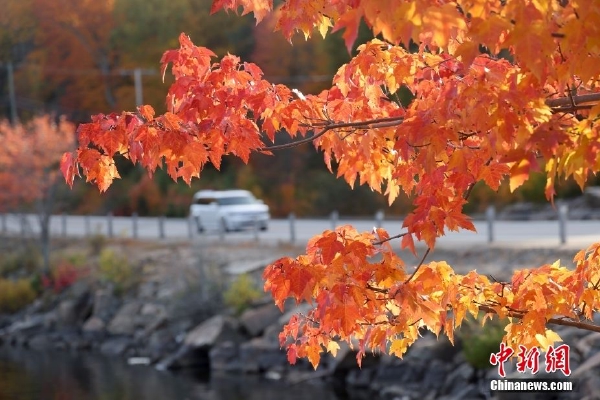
x=514 y=233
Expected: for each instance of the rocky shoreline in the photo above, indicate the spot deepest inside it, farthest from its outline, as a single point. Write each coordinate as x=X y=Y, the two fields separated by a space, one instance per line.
x=173 y=319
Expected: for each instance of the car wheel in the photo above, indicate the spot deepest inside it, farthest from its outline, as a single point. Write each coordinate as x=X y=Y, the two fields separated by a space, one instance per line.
x=199 y=226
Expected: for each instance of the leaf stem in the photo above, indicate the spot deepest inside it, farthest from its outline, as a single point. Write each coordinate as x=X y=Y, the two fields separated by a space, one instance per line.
x=418 y=266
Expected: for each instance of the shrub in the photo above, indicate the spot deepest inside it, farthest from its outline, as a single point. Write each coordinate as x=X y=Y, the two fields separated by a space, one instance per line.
x=242 y=293
x=62 y=276
x=479 y=342
x=14 y=295
x=116 y=269
x=27 y=259
x=97 y=242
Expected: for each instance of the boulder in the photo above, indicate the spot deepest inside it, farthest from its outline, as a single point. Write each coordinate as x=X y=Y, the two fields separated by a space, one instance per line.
x=212 y=331
x=94 y=324
x=124 y=322
x=105 y=304
x=225 y=357
x=260 y=355
x=66 y=312
x=194 y=352
x=76 y=307
x=40 y=342
x=256 y=320
x=115 y=346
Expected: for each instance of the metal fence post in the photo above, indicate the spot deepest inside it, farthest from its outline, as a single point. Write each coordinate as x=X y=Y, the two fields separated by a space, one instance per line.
x=109 y=220
x=86 y=225
x=292 y=219
x=23 y=225
x=563 y=211
x=379 y=218
x=134 y=222
x=334 y=219
x=161 y=226
x=490 y=216
x=64 y=224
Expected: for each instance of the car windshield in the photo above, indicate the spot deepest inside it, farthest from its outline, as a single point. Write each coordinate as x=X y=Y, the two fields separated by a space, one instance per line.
x=231 y=201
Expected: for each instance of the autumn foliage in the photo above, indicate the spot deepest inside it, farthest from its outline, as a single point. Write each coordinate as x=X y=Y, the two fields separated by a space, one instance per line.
x=29 y=159
x=496 y=90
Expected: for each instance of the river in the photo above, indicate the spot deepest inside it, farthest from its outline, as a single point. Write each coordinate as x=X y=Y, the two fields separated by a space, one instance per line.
x=32 y=375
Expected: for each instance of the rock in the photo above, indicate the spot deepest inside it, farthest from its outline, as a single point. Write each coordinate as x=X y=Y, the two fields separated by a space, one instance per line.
x=360 y=378
x=430 y=347
x=260 y=355
x=40 y=342
x=124 y=322
x=78 y=306
x=94 y=324
x=225 y=357
x=256 y=320
x=147 y=290
x=67 y=312
x=589 y=364
x=345 y=360
x=28 y=324
x=160 y=343
x=194 y=352
x=400 y=392
x=212 y=331
x=458 y=378
x=105 y=304
x=588 y=385
x=186 y=357
x=435 y=375
x=405 y=372
x=115 y=346
x=466 y=392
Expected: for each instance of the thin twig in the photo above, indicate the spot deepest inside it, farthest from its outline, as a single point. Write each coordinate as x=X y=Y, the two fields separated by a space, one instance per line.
x=390 y=238
x=294 y=144
x=368 y=124
x=419 y=266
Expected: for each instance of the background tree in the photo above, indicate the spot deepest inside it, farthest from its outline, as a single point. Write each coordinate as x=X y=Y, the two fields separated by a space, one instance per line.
x=494 y=90
x=29 y=176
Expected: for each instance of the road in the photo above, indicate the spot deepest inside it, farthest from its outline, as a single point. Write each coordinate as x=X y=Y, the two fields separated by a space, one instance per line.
x=513 y=233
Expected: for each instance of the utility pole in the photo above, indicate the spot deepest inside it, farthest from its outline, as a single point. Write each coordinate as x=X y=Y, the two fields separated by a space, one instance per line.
x=138 y=73
x=11 y=94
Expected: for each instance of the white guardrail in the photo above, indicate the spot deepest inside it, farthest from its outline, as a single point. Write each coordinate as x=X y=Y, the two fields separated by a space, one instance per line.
x=298 y=230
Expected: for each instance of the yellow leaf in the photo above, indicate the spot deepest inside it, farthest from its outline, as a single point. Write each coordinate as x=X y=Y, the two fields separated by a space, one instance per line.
x=548 y=340
x=333 y=348
x=398 y=347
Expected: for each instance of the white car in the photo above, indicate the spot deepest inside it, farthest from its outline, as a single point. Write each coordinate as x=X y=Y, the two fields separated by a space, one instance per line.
x=228 y=210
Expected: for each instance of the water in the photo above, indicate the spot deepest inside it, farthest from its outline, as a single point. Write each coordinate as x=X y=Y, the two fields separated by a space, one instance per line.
x=33 y=375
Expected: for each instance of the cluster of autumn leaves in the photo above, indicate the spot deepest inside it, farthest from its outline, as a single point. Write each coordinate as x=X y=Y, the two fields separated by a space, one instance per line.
x=362 y=293
x=472 y=116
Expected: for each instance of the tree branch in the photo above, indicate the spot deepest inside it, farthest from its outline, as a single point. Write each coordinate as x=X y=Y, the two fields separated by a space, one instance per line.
x=555 y=321
x=330 y=125
x=573 y=102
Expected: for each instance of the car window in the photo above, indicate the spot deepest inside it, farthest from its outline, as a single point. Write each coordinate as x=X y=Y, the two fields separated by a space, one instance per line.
x=230 y=201
x=205 y=200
